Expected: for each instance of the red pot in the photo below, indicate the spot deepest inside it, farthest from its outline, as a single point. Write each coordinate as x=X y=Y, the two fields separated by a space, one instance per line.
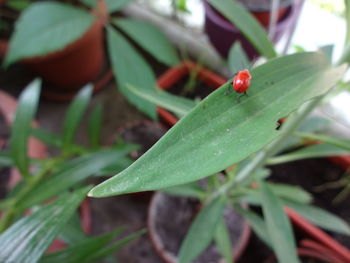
x=264 y=17
x=175 y=74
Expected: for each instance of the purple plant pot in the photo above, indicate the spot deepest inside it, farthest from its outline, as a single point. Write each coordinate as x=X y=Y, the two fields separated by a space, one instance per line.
x=222 y=34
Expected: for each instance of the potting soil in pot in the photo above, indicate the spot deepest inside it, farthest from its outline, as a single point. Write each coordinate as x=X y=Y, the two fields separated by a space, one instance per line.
x=173 y=220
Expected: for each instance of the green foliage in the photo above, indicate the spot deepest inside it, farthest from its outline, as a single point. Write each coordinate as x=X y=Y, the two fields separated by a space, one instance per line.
x=26 y=110
x=112 y=5
x=190 y=150
x=130 y=68
x=201 y=231
x=38 y=230
x=144 y=35
x=247 y=24
x=237 y=59
x=46 y=27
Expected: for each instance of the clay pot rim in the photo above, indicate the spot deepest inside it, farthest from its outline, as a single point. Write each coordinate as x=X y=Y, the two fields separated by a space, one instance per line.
x=221 y=22
x=167 y=256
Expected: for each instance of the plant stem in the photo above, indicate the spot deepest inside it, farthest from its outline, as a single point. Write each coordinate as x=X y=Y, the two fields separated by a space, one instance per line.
x=261 y=157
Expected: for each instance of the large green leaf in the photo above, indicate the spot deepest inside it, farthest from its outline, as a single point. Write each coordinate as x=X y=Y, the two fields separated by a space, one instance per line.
x=82 y=251
x=313 y=151
x=21 y=128
x=321 y=217
x=74 y=114
x=26 y=240
x=247 y=24
x=112 y=5
x=46 y=27
x=223 y=129
x=130 y=68
x=70 y=174
x=150 y=38
x=278 y=226
x=202 y=230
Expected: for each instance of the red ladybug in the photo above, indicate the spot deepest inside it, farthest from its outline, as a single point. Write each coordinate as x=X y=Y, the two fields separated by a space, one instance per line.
x=241 y=81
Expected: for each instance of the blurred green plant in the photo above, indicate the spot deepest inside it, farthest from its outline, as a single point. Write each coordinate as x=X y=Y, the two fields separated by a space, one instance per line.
x=61 y=177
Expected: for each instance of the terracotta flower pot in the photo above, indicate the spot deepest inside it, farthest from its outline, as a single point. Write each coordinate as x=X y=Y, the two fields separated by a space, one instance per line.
x=169 y=218
x=175 y=74
x=222 y=34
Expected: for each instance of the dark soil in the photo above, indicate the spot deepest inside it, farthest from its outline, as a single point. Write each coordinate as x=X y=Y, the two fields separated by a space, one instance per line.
x=174 y=218
x=4 y=171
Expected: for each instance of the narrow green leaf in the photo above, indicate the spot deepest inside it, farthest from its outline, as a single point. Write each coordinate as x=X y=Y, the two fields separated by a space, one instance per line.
x=222 y=130
x=130 y=68
x=72 y=232
x=150 y=38
x=290 y=192
x=257 y=223
x=71 y=174
x=74 y=114
x=247 y=24
x=106 y=251
x=95 y=126
x=118 y=166
x=188 y=190
x=27 y=239
x=47 y=137
x=202 y=231
x=313 y=151
x=112 y=5
x=26 y=109
x=18 y=5
x=321 y=217
x=223 y=241
x=54 y=25
x=82 y=251
x=5 y=159
x=338 y=142
x=179 y=105
x=278 y=226
x=237 y=59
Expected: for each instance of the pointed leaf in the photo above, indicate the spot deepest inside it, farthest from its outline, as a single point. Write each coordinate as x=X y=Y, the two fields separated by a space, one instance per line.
x=71 y=174
x=321 y=217
x=21 y=127
x=313 y=151
x=202 y=231
x=26 y=240
x=188 y=190
x=74 y=114
x=82 y=251
x=222 y=130
x=112 y=5
x=47 y=137
x=223 y=241
x=338 y=142
x=257 y=223
x=150 y=38
x=54 y=25
x=291 y=192
x=247 y=24
x=95 y=126
x=130 y=68
x=278 y=226
x=237 y=59
x=179 y=105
